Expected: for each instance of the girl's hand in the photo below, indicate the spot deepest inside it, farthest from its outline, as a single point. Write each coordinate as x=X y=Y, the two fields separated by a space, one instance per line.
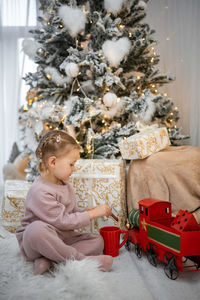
x=100 y=211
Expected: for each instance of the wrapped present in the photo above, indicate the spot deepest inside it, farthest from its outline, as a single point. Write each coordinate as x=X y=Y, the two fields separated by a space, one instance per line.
x=99 y=181
x=12 y=212
x=144 y=143
x=95 y=182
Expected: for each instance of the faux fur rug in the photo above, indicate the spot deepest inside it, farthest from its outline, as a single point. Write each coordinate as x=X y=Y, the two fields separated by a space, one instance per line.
x=74 y=280
x=130 y=278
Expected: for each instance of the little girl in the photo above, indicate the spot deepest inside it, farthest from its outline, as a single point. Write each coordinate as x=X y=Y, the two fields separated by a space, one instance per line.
x=47 y=234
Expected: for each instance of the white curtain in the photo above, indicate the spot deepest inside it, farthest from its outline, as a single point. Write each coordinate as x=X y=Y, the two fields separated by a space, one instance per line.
x=15 y=17
x=177 y=26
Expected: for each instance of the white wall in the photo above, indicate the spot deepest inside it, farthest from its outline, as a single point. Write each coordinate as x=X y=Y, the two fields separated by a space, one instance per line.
x=177 y=26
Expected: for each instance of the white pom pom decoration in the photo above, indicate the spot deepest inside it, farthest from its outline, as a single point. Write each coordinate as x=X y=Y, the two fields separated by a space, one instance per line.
x=142 y=4
x=115 y=51
x=109 y=99
x=30 y=46
x=73 y=19
x=113 y=6
x=71 y=69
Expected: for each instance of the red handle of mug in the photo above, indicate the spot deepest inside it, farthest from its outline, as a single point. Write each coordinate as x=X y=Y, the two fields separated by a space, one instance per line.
x=125 y=239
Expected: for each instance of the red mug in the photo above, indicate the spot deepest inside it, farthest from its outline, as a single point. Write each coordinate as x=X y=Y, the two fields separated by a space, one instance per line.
x=111 y=236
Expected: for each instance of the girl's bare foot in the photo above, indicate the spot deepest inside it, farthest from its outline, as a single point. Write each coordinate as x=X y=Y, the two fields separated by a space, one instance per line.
x=105 y=262
x=41 y=265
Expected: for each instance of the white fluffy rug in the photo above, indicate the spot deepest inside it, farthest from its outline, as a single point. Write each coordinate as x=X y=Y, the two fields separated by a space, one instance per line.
x=73 y=280
x=130 y=278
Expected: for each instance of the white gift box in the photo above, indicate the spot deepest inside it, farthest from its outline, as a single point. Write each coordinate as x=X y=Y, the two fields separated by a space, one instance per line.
x=145 y=143
x=94 y=181
x=99 y=181
x=12 y=211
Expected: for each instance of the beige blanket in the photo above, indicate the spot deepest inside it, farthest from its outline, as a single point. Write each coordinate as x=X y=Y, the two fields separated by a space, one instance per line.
x=172 y=175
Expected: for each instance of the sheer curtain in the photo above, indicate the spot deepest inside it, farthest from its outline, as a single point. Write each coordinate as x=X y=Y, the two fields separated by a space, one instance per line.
x=16 y=19
x=177 y=26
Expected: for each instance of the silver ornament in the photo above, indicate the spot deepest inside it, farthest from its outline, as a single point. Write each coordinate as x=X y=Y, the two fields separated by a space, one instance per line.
x=40 y=52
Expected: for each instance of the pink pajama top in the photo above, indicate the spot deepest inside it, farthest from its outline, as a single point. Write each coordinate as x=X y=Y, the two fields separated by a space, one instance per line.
x=53 y=204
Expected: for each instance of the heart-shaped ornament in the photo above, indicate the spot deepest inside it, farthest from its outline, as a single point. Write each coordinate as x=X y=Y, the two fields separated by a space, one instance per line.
x=115 y=51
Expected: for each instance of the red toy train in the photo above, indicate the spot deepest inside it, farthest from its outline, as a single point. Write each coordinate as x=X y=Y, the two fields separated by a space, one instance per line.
x=172 y=240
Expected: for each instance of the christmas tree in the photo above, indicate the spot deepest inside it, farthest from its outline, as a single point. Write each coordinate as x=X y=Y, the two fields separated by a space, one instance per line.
x=96 y=77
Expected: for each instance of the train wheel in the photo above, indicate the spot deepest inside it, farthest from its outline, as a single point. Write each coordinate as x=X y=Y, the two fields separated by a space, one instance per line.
x=128 y=245
x=152 y=259
x=138 y=250
x=152 y=256
x=170 y=269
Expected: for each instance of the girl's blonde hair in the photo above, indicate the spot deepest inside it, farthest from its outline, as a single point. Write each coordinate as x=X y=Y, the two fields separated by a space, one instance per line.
x=54 y=142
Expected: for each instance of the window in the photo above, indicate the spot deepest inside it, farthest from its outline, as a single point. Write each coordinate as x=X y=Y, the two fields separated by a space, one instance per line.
x=18 y=13
x=25 y=65
x=18 y=17
x=166 y=210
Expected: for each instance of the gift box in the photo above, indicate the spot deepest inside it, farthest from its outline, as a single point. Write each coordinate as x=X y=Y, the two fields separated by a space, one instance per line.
x=99 y=181
x=145 y=143
x=95 y=182
x=12 y=210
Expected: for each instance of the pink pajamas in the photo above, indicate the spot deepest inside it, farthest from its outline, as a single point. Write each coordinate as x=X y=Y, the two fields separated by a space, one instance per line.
x=42 y=239
x=48 y=226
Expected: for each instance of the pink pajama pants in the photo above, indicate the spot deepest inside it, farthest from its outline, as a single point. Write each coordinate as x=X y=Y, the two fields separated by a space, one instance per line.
x=42 y=239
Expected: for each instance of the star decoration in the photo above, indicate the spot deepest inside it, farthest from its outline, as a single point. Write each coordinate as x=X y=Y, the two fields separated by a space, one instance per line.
x=144 y=224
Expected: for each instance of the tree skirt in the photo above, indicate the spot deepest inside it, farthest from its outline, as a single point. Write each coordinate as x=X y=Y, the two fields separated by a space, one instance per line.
x=130 y=278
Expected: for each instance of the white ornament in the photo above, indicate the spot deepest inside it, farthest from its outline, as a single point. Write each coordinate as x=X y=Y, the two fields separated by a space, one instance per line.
x=109 y=99
x=115 y=51
x=113 y=6
x=142 y=4
x=30 y=47
x=72 y=69
x=73 y=19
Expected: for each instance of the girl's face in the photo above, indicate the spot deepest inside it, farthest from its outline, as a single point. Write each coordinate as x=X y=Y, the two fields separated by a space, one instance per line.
x=62 y=167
